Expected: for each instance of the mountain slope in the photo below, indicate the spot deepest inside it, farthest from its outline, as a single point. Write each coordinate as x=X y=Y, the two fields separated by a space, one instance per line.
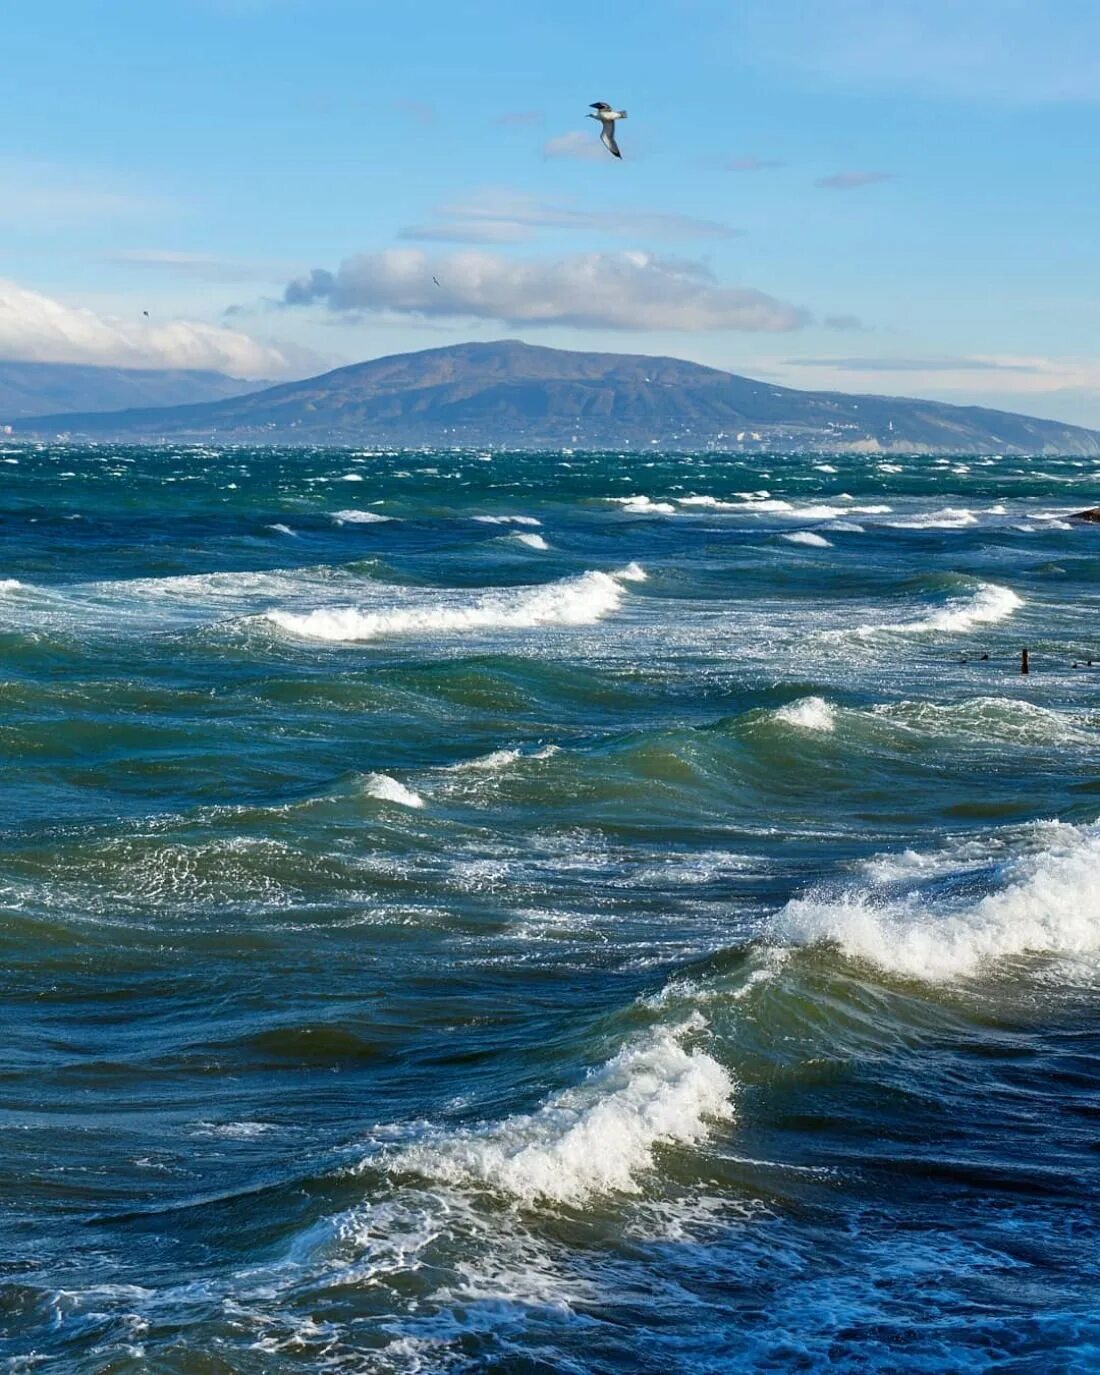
x=41 y=388
x=511 y=394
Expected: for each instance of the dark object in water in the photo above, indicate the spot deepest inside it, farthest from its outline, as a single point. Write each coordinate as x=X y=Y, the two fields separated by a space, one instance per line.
x=1025 y=662
x=1092 y=514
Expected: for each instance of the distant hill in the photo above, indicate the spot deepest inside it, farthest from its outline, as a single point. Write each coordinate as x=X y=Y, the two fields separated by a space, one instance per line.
x=509 y=394
x=42 y=388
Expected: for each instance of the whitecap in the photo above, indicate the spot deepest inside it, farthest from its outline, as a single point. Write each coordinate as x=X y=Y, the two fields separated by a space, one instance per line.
x=808 y=538
x=387 y=789
x=353 y=517
x=644 y=506
x=530 y=540
x=808 y=713
x=950 y=518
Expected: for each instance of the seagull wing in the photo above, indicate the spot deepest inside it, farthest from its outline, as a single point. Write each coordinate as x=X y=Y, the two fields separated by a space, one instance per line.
x=599 y=105
x=607 y=138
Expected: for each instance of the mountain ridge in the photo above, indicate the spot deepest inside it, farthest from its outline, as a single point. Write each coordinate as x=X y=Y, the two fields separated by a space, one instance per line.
x=34 y=389
x=508 y=394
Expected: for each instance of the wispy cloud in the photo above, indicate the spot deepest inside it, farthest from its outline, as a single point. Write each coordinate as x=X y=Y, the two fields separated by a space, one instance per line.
x=628 y=291
x=842 y=322
x=519 y=119
x=1022 y=52
x=916 y=364
x=419 y=111
x=751 y=164
x=466 y=231
x=40 y=329
x=201 y=267
x=851 y=181
x=510 y=216
x=575 y=144
x=41 y=193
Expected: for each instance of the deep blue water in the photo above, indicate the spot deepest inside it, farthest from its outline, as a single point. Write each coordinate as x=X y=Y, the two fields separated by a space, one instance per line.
x=604 y=916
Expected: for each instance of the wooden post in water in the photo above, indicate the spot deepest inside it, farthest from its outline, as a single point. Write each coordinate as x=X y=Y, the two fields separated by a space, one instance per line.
x=1025 y=666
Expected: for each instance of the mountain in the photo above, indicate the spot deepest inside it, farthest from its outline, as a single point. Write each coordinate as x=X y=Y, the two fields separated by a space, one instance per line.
x=41 y=388
x=509 y=394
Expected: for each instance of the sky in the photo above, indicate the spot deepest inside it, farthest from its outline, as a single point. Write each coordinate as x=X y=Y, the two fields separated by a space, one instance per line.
x=892 y=196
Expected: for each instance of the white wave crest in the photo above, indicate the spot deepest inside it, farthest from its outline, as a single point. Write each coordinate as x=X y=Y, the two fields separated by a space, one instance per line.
x=753 y=504
x=353 y=517
x=809 y=713
x=500 y=759
x=507 y=520
x=388 y=789
x=986 y=606
x=1049 y=906
x=594 y=1139
x=531 y=541
x=950 y=518
x=808 y=538
x=644 y=506
x=582 y=600
x=10 y=584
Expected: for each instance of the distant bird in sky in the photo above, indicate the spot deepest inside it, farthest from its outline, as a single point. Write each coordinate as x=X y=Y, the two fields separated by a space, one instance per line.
x=607 y=117
x=145 y=313
x=435 y=279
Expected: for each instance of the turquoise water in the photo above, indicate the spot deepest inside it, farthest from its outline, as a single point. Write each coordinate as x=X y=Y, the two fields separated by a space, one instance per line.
x=552 y=913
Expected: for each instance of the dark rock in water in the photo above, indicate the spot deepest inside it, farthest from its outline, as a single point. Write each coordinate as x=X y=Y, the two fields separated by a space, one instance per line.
x=1092 y=515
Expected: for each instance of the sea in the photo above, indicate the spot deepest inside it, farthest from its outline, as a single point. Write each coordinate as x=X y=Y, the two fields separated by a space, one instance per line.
x=548 y=914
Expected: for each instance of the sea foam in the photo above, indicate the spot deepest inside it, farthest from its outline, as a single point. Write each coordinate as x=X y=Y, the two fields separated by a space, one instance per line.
x=1049 y=905
x=596 y=1138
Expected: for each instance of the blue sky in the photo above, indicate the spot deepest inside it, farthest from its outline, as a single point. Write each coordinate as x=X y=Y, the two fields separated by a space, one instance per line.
x=897 y=197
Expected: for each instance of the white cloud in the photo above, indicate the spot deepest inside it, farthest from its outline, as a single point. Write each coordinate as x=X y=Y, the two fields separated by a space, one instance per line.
x=586 y=147
x=1025 y=375
x=37 y=328
x=501 y=216
x=850 y=181
x=630 y=291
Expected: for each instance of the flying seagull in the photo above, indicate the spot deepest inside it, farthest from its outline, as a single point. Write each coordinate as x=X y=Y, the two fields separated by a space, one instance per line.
x=607 y=117
x=435 y=279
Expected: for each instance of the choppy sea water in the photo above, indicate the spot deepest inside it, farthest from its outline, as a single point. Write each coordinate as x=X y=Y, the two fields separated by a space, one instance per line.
x=558 y=913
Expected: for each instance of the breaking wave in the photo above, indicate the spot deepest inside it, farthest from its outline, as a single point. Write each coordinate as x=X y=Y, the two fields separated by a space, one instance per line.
x=583 y=600
x=1049 y=905
x=808 y=538
x=387 y=789
x=359 y=517
x=986 y=606
x=596 y=1138
x=809 y=713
